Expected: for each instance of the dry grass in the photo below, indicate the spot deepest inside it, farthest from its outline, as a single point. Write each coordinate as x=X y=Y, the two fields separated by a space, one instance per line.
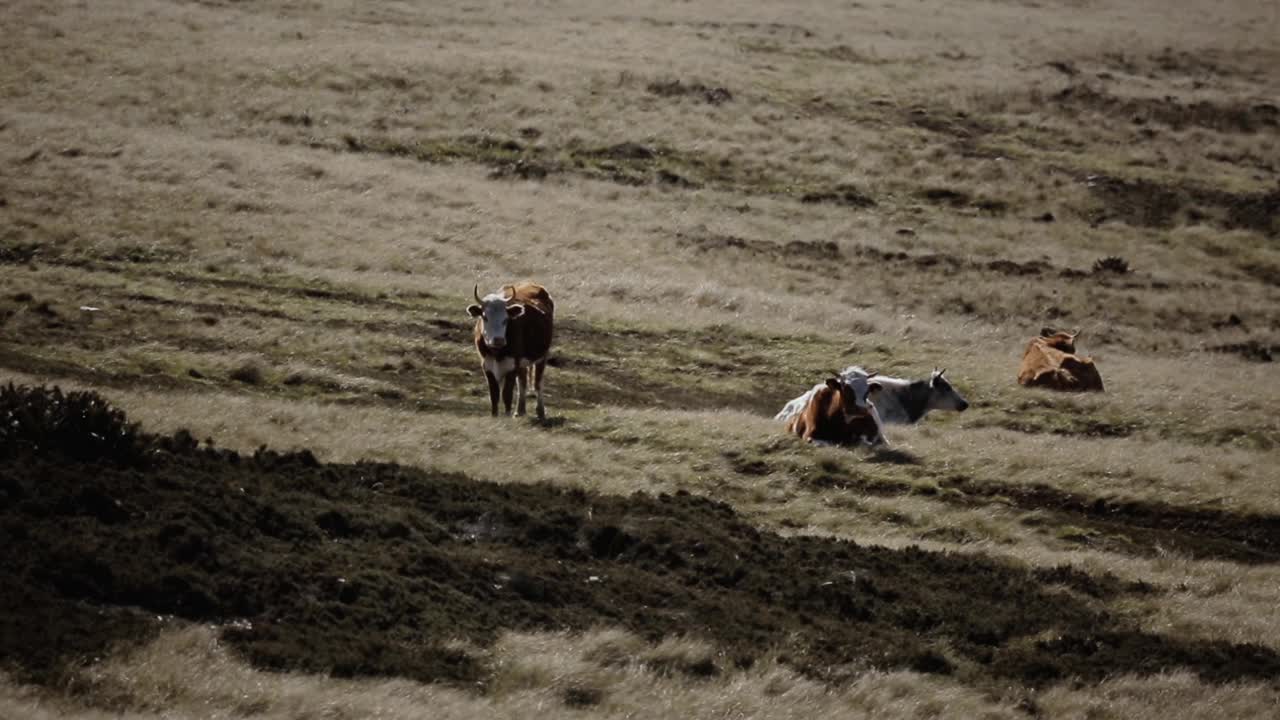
x=187 y=673
x=279 y=210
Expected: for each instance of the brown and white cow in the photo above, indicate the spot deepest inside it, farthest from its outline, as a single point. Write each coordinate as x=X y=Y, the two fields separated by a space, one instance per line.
x=513 y=336
x=834 y=415
x=1050 y=361
x=898 y=401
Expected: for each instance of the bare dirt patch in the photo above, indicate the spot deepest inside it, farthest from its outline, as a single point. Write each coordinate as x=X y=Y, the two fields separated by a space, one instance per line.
x=370 y=568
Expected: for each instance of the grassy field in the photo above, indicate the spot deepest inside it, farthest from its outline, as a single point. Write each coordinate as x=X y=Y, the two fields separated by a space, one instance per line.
x=262 y=222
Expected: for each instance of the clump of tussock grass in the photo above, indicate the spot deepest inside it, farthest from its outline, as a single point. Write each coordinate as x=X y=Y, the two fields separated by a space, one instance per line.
x=249 y=372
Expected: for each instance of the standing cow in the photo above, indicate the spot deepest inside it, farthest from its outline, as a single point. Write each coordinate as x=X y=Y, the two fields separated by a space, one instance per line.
x=513 y=335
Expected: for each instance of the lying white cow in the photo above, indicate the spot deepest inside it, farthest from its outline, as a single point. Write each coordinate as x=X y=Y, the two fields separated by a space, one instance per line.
x=897 y=401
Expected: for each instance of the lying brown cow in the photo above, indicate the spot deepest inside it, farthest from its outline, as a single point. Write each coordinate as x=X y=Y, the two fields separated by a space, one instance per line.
x=833 y=415
x=1050 y=361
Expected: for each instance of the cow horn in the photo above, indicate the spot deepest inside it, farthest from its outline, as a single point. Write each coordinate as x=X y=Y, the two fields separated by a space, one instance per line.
x=476 y=290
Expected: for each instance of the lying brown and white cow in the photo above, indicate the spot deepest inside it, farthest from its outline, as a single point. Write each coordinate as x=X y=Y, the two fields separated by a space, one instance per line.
x=835 y=414
x=513 y=336
x=1050 y=361
x=898 y=401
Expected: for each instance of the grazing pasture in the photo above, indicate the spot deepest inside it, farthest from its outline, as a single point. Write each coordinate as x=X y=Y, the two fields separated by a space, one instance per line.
x=250 y=224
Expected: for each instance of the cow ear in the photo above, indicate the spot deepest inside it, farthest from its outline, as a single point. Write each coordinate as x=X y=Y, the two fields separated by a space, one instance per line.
x=873 y=388
x=475 y=310
x=515 y=311
x=833 y=383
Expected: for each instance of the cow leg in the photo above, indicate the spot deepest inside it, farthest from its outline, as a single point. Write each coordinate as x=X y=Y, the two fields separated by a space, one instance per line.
x=493 y=392
x=508 y=385
x=522 y=382
x=539 y=368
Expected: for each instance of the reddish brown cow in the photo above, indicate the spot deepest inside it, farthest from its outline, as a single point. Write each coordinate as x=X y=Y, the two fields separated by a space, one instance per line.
x=513 y=336
x=1050 y=361
x=833 y=415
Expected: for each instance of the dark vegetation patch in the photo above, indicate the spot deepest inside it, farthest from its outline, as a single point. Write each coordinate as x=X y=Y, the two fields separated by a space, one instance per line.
x=961 y=199
x=626 y=163
x=736 y=26
x=1129 y=525
x=1040 y=414
x=141 y=254
x=950 y=264
x=1205 y=63
x=1119 y=525
x=838 y=53
x=1198 y=320
x=1111 y=264
x=16 y=253
x=522 y=169
x=370 y=569
x=1268 y=273
x=302 y=119
x=1249 y=350
x=1242 y=116
x=956 y=123
x=715 y=95
x=249 y=373
x=843 y=194
x=799 y=253
x=578 y=696
x=1150 y=204
x=1104 y=585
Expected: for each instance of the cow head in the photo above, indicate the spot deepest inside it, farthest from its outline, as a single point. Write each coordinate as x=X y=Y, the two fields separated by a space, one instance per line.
x=1060 y=339
x=494 y=311
x=942 y=396
x=850 y=404
x=860 y=382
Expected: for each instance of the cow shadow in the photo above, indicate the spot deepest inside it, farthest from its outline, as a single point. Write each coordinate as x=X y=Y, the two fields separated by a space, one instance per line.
x=893 y=456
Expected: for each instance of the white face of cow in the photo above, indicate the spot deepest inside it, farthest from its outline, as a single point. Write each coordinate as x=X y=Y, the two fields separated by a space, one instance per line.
x=495 y=313
x=859 y=382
